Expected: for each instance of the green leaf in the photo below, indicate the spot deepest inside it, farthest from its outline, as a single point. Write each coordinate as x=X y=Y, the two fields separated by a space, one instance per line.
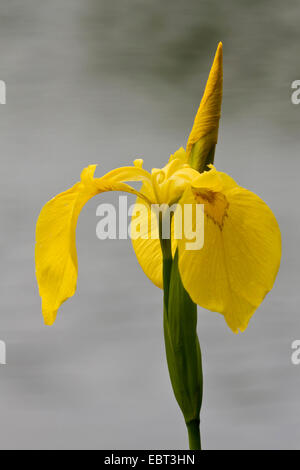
x=183 y=349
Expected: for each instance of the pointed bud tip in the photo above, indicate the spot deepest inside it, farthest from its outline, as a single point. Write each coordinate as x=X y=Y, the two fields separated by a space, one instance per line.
x=206 y=123
x=219 y=55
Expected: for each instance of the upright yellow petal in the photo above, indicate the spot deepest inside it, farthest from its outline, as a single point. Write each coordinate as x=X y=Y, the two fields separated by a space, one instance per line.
x=239 y=261
x=180 y=155
x=204 y=135
x=55 y=252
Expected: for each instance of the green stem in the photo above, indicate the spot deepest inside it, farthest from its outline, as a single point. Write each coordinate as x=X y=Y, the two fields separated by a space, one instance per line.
x=167 y=268
x=193 y=428
x=182 y=345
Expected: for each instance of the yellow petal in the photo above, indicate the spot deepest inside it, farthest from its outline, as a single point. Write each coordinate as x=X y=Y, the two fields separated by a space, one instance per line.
x=204 y=134
x=146 y=243
x=180 y=154
x=55 y=252
x=147 y=246
x=168 y=185
x=170 y=182
x=239 y=261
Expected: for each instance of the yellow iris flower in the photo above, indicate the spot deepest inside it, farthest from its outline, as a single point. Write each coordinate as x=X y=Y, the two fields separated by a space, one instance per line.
x=239 y=261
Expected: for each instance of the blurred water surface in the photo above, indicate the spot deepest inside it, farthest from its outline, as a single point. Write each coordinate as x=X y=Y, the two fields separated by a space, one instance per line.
x=105 y=82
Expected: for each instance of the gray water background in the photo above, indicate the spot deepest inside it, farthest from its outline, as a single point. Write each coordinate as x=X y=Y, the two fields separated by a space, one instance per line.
x=105 y=82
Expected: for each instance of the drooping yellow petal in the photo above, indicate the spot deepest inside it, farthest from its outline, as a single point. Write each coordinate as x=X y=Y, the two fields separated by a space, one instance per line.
x=147 y=244
x=55 y=253
x=204 y=135
x=239 y=261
